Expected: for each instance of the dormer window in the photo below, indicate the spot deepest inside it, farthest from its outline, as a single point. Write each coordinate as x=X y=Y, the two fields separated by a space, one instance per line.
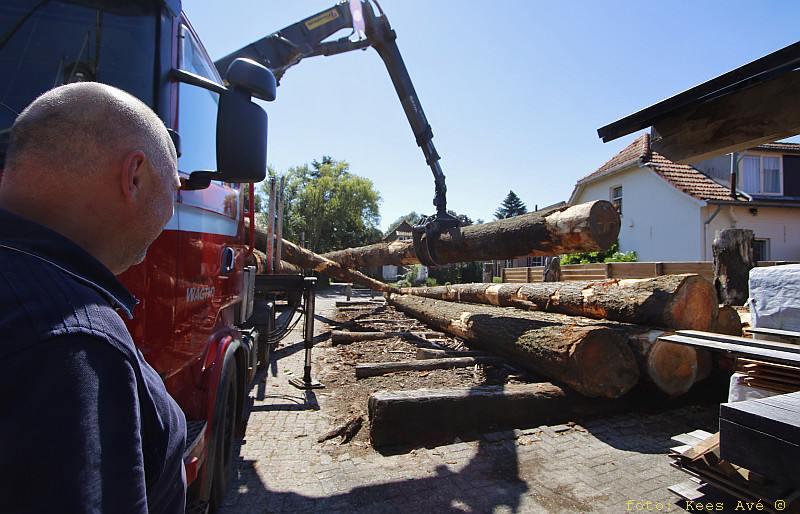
x=761 y=175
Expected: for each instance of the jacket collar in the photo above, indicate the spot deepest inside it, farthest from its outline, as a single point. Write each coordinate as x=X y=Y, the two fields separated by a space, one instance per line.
x=25 y=236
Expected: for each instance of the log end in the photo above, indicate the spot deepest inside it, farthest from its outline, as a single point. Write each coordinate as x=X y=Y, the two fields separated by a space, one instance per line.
x=728 y=321
x=673 y=368
x=694 y=305
x=604 y=223
x=606 y=365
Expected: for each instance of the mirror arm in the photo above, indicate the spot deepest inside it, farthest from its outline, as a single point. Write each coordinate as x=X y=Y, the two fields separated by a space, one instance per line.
x=200 y=180
x=196 y=80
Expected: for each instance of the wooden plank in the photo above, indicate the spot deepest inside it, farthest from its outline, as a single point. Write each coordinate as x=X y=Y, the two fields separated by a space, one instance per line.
x=778 y=356
x=775 y=334
x=744 y=341
x=767 y=455
x=764 y=417
x=688 y=439
x=687 y=490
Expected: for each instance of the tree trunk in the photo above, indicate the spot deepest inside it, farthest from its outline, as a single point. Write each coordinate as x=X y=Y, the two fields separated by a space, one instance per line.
x=591 y=357
x=670 y=301
x=733 y=259
x=671 y=368
x=430 y=353
x=306 y=259
x=585 y=227
x=375 y=369
x=552 y=269
x=436 y=416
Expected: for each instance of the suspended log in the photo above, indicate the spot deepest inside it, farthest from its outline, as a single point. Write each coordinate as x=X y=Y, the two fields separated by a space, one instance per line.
x=591 y=357
x=670 y=301
x=585 y=227
x=438 y=415
x=375 y=369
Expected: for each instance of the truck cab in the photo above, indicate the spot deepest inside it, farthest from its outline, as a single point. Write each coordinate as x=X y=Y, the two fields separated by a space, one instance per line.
x=193 y=284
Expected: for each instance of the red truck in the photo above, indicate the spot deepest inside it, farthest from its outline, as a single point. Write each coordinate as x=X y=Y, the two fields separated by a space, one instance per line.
x=203 y=322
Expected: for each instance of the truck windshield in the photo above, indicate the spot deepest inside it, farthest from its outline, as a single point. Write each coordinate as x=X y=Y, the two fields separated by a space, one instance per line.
x=44 y=44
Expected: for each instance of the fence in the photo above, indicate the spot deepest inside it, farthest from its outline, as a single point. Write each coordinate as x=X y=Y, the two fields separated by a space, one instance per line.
x=599 y=271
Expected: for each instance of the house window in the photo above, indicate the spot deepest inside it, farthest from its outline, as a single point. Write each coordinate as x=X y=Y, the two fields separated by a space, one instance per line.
x=616 y=198
x=760 y=250
x=535 y=261
x=761 y=174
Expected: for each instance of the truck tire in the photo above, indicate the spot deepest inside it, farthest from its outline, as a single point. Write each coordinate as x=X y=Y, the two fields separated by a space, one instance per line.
x=225 y=437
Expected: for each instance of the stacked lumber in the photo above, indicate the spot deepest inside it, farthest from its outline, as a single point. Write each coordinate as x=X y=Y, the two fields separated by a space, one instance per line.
x=781 y=378
x=699 y=456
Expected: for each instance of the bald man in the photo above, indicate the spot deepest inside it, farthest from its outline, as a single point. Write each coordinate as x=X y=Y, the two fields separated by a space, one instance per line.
x=85 y=423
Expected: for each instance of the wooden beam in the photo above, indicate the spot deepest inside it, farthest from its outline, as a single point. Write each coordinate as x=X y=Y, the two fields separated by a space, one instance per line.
x=375 y=369
x=762 y=113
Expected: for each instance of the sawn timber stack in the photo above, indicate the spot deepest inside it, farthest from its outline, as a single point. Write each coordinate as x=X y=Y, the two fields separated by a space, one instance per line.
x=585 y=227
x=669 y=301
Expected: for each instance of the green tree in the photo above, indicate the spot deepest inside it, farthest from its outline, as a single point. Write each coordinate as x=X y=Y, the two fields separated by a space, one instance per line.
x=511 y=206
x=332 y=207
x=611 y=255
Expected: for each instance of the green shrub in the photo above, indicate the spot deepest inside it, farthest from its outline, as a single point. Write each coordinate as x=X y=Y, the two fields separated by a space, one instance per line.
x=430 y=282
x=402 y=283
x=497 y=280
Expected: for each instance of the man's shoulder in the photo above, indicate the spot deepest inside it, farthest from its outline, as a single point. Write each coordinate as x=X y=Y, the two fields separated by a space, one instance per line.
x=39 y=301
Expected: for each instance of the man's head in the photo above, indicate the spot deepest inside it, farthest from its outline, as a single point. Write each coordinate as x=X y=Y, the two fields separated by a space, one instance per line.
x=95 y=164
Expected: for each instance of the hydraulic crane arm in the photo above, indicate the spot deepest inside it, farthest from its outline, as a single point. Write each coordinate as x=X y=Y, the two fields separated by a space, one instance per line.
x=288 y=46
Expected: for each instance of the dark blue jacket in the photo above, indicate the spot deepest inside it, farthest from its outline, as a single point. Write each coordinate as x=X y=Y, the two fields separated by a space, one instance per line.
x=85 y=423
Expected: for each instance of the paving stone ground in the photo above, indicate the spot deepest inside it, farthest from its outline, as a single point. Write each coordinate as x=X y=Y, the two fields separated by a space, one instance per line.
x=597 y=467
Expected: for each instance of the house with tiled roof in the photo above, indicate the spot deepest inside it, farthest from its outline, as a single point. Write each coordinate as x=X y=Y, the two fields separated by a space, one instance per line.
x=670 y=212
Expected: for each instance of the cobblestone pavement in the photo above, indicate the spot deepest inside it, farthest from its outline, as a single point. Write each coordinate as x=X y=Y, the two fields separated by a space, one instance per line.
x=597 y=467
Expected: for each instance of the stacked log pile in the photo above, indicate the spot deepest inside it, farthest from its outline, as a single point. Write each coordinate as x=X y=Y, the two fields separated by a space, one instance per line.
x=600 y=337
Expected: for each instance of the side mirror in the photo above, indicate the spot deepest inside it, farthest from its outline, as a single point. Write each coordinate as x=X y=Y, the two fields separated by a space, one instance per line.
x=241 y=127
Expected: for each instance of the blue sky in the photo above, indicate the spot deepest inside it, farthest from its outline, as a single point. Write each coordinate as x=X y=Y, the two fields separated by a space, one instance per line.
x=513 y=89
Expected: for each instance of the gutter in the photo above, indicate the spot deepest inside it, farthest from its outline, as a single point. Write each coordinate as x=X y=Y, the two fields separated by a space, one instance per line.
x=755 y=203
x=705 y=231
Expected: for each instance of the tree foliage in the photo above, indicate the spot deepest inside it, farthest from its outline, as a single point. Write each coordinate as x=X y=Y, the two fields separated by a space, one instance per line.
x=611 y=255
x=331 y=207
x=511 y=206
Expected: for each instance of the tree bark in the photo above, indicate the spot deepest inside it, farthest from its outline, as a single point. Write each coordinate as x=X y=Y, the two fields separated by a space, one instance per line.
x=585 y=227
x=671 y=368
x=670 y=301
x=552 y=269
x=375 y=369
x=733 y=259
x=438 y=415
x=591 y=357
x=306 y=259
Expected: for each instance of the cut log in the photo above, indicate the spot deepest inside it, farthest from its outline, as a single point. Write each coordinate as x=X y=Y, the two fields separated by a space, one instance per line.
x=306 y=259
x=733 y=259
x=671 y=368
x=670 y=301
x=402 y=418
x=430 y=353
x=590 y=356
x=585 y=227
x=259 y=260
x=728 y=321
x=376 y=369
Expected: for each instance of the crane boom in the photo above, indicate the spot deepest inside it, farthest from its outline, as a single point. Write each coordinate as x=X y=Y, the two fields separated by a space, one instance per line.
x=283 y=49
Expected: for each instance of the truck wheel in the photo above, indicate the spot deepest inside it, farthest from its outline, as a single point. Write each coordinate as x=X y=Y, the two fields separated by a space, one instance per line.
x=225 y=439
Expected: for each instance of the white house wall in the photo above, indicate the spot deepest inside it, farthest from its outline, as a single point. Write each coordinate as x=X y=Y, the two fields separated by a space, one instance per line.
x=781 y=225
x=659 y=222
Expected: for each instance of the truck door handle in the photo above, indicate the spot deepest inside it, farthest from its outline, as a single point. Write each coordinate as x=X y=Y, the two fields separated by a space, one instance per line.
x=228 y=260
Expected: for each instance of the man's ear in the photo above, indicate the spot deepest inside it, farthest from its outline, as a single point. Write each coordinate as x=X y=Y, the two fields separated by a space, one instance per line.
x=132 y=175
